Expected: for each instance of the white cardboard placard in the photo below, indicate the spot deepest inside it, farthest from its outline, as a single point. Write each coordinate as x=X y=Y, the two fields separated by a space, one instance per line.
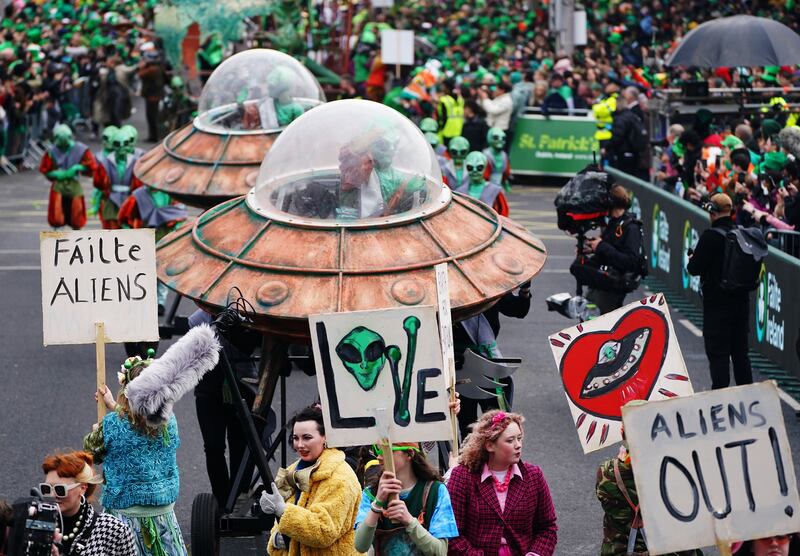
x=723 y=451
x=363 y=364
x=92 y=276
x=628 y=354
x=397 y=47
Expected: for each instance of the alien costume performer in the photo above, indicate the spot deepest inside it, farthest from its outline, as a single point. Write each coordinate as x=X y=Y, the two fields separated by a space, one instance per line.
x=454 y=174
x=498 y=170
x=61 y=164
x=430 y=128
x=149 y=208
x=479 y=188
x=114 y=176
x=102 y=158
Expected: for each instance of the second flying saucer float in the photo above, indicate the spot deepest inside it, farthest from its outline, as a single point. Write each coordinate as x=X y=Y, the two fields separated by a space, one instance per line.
x=348 y=213
x=246 y=102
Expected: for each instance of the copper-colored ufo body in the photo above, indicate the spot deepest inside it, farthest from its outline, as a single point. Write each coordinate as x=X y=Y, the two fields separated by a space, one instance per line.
x=202 y=168
x=288 y=271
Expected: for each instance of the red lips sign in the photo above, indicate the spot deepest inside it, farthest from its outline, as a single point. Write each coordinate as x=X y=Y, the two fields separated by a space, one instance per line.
x=603 y=370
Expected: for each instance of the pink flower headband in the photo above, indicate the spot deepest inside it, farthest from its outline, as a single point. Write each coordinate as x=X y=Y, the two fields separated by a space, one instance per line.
x=498 y=419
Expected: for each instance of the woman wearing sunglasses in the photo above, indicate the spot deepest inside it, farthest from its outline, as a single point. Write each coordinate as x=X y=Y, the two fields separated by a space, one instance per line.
x=407 y=512
x=502 y=504
x=69 y=480
x=315 y=499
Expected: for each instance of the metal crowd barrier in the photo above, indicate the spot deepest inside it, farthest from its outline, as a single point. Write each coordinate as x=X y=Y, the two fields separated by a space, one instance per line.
x=787 y=241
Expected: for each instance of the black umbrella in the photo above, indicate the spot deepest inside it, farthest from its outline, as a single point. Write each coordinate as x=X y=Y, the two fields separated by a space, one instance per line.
x=738 y=41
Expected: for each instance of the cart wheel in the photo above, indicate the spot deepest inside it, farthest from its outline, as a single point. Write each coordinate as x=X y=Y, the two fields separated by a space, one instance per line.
x=205 y=525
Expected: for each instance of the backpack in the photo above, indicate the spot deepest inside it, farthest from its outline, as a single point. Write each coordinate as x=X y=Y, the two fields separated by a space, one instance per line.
x=741 y=261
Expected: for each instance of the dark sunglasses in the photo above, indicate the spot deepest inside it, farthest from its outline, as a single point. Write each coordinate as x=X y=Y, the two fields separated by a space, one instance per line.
x=457 y=152
x=59 y=491
x=478 y=168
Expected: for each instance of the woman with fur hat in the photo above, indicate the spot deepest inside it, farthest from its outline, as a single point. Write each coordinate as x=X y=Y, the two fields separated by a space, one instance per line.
x=314 y=500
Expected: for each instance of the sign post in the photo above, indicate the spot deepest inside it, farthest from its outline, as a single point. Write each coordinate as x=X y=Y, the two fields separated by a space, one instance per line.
x=397 y=47
x=713 y=468
x=98 y=287
x=448 y=356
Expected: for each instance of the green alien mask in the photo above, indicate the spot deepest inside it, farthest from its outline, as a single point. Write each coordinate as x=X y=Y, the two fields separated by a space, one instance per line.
x=432 y=138
x=279 y=82
x=458 y=149
x=476 y=164
x=108 y=138
x=129 y=136
x=362 y=352
x=428 y=125
x=496 y=138
x=62 y=137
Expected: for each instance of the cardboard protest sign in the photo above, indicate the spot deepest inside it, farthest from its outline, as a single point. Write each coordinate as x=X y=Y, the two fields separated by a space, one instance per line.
x=371 y=360
x=714 y=467
x=628 y=354
x=95 y=276
x=397 y=47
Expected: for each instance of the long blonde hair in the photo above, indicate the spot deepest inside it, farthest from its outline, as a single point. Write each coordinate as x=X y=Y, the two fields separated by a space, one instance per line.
x=486 y=429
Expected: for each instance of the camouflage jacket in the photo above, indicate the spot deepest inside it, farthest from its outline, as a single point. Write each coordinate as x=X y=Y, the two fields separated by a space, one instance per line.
x=618 y=515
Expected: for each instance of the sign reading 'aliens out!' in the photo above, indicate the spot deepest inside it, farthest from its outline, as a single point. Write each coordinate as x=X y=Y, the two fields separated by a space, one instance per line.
x=387 y=360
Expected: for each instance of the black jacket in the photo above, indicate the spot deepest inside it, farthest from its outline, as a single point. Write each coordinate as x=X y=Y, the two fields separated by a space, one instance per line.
x=622 y=244
x=706 y=262
x=629 y=140
x=474 y=131
x=510 y=305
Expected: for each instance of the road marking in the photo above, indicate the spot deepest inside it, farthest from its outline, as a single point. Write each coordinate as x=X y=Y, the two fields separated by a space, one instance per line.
x=692 y=328
x=15 y=268
x=556 y=271
x=17 y=251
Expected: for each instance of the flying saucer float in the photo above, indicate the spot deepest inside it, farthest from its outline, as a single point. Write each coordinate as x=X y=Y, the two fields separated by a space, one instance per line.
x=348 y=213
x=248 y=100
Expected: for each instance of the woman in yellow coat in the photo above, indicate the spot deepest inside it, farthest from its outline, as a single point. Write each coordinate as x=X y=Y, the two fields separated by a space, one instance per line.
x=315 y=500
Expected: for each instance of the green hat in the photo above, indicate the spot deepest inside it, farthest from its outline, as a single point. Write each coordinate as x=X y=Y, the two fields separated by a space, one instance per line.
x=732 y=142
x=615 y=38
x=770 y=74
x=773 y=161
x=548 y=63
x=770 y=127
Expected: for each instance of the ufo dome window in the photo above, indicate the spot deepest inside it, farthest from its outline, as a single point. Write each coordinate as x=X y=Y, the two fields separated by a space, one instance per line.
x=256 y=91
x=349 y=162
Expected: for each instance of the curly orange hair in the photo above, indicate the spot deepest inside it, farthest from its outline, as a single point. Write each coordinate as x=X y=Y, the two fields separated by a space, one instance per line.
x=69 y=465
x=486 y=429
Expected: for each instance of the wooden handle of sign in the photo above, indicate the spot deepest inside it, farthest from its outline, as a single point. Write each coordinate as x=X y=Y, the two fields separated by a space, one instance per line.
x=454 y=448
x=388 y=460
x=100 y=354
x=723 y=546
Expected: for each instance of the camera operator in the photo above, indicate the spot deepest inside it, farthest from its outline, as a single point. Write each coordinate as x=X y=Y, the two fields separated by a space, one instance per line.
x=725 y=313
x=618 y=247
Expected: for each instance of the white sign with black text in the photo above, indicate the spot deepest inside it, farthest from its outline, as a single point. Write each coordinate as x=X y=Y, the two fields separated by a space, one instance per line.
x=95 y=276
x=713 y=467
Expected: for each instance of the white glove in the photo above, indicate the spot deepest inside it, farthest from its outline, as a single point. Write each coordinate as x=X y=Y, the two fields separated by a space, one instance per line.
x=279 y=542
x=272 y=502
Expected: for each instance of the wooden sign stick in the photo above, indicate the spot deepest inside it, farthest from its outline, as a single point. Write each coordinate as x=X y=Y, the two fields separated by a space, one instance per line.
x=382 y=422
x=448 y=357
x=723 y=545
x=100 y=354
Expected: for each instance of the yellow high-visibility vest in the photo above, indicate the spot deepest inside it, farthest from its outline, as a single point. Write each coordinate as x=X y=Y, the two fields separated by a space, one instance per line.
x=454 y=108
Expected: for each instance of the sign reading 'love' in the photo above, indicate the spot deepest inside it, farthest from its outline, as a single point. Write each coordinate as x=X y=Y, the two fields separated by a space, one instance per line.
x=628 y=354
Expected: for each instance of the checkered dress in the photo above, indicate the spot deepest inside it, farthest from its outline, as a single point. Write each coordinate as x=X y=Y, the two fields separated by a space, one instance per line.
x=109 y=537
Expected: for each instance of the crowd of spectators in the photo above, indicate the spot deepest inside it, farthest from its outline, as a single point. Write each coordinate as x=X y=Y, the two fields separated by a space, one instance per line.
x=78 y=63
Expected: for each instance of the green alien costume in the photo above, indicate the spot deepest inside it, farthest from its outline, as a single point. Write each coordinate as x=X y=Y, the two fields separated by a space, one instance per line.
x=479 y=188
x=453 y=172
x=497 y=158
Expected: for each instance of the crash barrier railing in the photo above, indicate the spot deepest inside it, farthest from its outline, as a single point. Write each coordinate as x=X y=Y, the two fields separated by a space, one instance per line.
x=672 y=226
x=787 y=241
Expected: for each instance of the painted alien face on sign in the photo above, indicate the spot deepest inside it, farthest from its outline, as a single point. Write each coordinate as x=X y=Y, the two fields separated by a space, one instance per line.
x=362 y=353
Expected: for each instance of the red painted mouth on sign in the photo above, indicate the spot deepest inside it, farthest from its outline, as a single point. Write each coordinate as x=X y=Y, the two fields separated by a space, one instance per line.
x=604 y=370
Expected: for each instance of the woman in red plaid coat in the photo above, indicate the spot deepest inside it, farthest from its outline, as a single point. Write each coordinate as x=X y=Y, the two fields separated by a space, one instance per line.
x=502 y=505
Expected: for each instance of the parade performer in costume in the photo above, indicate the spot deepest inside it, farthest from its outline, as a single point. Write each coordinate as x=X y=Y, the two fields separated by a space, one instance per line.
x=502 y=504
x=137 y=442
x=399 y=190
x=115 y=178
x=102 y=160
x=454 y=174
x=61 y=164
x=69 y=479
x=314 y=500
x=150 y=208
x=479 y=188
x=498 y=169
x=430 y=128
x=418 y=520
x=279 y=109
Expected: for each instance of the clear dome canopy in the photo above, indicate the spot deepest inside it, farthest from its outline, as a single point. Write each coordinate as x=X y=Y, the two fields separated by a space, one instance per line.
x=349 y=162
x=255 y=91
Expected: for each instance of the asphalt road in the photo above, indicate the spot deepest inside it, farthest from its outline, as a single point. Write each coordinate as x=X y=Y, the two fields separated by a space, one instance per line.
x=46 y=393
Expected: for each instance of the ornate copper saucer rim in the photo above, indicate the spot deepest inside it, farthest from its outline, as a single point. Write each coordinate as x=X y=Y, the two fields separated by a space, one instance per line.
x=470 y=204
x=169 y=150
